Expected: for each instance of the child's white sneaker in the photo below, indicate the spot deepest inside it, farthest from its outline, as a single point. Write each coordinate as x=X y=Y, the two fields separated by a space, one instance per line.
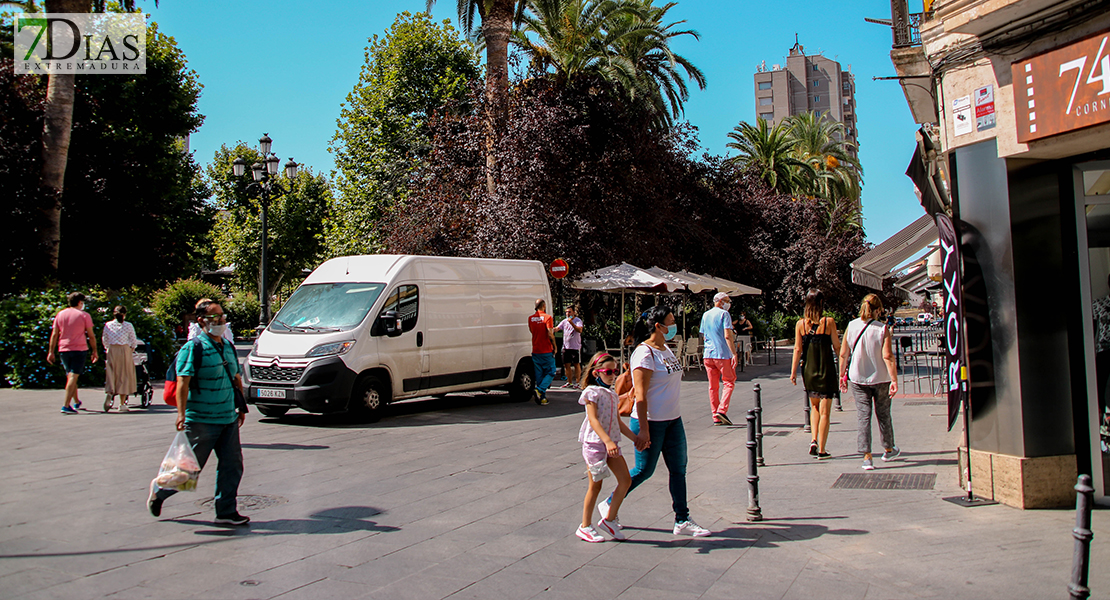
x=613 y=528
x=589 y=534
x=603 y=508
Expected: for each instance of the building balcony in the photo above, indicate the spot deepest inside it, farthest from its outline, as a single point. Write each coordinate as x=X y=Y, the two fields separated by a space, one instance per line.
x=977 y=17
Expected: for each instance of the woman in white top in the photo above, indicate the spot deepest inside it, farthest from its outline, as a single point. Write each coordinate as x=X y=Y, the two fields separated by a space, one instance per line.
x=867 y=354
x=656 y=380
x=119 y=366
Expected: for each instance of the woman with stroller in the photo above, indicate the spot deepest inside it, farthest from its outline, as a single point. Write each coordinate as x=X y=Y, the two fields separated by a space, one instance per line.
x=119 y=345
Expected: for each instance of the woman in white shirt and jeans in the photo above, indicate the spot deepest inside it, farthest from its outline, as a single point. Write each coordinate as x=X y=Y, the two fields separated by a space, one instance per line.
x=867 y=352
x=656 y=380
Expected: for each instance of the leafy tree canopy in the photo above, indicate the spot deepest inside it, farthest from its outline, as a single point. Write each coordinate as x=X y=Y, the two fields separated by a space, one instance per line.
x=417 y=69
x=133 y=210
x=295 y=221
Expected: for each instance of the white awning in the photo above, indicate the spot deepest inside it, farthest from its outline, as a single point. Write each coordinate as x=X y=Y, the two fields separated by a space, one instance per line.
x=623 y=278
x=917 y=241
x=696 y=285
x=724 y=285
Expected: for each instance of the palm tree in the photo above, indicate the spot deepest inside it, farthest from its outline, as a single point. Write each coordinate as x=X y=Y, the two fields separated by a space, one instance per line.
x=645 y=43
x=771 y=152
x=56 y=129
x=572 y=39
x=498 y=17
x=822 y=142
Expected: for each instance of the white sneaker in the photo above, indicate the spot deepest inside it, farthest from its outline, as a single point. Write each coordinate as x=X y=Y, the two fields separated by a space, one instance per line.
x=690 y=528
x=893 y=454
x=123 y=407
x=613 y=528
x=603 y=508
x=589 y=534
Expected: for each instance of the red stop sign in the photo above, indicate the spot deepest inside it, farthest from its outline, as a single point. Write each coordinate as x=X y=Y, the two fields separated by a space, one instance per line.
x=559 y=268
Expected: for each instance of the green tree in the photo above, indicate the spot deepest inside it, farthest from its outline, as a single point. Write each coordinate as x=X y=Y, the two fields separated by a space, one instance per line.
x=128 y=174
x=497 y=19
x=295 y=221
x=623 y=42
x=56 y=135
x=417 y=69
x=771 y=152
x=644 y=41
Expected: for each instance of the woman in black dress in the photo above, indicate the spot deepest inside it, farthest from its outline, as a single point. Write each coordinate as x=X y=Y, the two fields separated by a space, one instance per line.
x=814 y=339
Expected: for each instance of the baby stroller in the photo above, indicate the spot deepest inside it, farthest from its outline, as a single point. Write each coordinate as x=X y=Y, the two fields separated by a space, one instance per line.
x=143 y=388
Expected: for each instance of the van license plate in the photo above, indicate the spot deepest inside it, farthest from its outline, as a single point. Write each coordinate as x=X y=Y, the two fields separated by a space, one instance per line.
x=264 y=393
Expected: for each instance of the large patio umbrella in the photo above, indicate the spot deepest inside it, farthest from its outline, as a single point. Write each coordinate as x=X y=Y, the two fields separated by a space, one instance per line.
x=723 y=285
x=624 y=278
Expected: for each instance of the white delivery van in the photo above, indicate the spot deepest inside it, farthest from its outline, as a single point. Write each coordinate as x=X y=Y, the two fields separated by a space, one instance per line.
x=363 y=331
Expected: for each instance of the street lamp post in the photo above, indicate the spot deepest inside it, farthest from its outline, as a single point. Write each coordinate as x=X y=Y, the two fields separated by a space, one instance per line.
x=266 y=187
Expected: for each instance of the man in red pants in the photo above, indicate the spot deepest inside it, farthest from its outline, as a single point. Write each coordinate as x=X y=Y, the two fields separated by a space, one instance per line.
x=719 y=357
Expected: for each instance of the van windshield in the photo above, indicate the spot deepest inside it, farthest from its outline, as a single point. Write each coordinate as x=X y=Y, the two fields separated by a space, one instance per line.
x=325 y=307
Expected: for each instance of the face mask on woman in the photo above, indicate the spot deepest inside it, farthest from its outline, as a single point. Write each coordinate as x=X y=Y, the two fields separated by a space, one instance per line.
x=217 y=330
x=671 y=331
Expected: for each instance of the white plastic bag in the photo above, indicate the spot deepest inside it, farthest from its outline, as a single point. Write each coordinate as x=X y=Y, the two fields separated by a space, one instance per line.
x=599 y=470
x=179 y=470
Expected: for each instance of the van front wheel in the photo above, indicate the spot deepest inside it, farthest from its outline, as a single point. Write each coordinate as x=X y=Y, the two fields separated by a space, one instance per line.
x=524 y=383
x=370 y=397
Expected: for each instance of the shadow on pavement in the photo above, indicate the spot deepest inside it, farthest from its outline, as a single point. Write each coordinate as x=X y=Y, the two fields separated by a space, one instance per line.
x=281 y=446
x=761 y=535
x=446 y=410
x=344 y=519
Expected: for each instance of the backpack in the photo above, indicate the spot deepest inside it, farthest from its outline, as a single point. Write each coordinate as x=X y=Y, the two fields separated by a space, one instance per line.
x=169 y=393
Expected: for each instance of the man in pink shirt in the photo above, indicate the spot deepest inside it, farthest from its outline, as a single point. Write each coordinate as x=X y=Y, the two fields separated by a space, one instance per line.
x=72 y=336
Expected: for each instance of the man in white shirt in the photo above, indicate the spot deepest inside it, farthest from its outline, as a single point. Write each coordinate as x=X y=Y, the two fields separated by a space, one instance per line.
x=572 y=347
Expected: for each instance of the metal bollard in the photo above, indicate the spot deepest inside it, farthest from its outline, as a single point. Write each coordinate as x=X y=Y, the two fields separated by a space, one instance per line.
x=1083 y=534
x=758 y=425
x=754 y=512
x=807 y=428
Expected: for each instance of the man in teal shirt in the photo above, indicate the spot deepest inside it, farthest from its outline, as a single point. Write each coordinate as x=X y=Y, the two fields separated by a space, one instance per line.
x=206 y=412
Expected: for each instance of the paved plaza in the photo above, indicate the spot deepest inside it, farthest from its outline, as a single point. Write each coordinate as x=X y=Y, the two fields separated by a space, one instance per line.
x=474 y=497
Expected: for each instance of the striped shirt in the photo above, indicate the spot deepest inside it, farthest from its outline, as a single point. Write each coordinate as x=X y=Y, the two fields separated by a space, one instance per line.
x=211 y=399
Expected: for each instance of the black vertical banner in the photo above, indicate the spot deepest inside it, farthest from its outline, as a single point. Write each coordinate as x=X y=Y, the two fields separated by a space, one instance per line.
x=953 y=313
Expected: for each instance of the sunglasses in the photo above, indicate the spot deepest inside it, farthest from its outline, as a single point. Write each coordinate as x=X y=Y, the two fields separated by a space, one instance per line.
x=214 y=318
x=605 y=371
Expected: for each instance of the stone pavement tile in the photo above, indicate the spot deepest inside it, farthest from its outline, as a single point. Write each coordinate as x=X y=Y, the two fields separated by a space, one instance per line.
x=642 y=593
x=598 y=582
x=514 y=544
x=472 y=566
x=31 y=580
x=420 y=586
x=438 y=549
x=503 y=586
x=383 y=571
x=325 y=588
x=262 y=554
x=826 y=580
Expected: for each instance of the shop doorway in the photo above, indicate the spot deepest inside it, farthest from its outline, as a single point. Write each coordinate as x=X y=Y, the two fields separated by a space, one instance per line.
x=1092 y=185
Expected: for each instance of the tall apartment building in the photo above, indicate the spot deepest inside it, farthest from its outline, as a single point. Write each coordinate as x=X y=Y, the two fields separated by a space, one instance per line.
x=808 y=83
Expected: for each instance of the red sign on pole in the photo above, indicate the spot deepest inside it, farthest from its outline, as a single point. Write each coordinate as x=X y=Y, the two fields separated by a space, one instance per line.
x=559 y=268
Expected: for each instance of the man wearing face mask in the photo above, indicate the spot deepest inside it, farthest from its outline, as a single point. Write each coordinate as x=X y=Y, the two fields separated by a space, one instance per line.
x=207 y=412
x=719 y=357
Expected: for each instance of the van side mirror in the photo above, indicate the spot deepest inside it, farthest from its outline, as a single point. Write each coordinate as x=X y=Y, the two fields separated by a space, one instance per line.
x=389 y=322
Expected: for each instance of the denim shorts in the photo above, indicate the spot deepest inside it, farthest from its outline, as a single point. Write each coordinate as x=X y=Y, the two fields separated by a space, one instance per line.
x=74 y=360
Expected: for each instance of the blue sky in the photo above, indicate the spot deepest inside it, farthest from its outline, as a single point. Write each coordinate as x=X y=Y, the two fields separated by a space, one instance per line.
x=284 y=68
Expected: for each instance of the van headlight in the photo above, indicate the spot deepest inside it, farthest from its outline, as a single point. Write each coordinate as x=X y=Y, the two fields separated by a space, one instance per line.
x=331 y=348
